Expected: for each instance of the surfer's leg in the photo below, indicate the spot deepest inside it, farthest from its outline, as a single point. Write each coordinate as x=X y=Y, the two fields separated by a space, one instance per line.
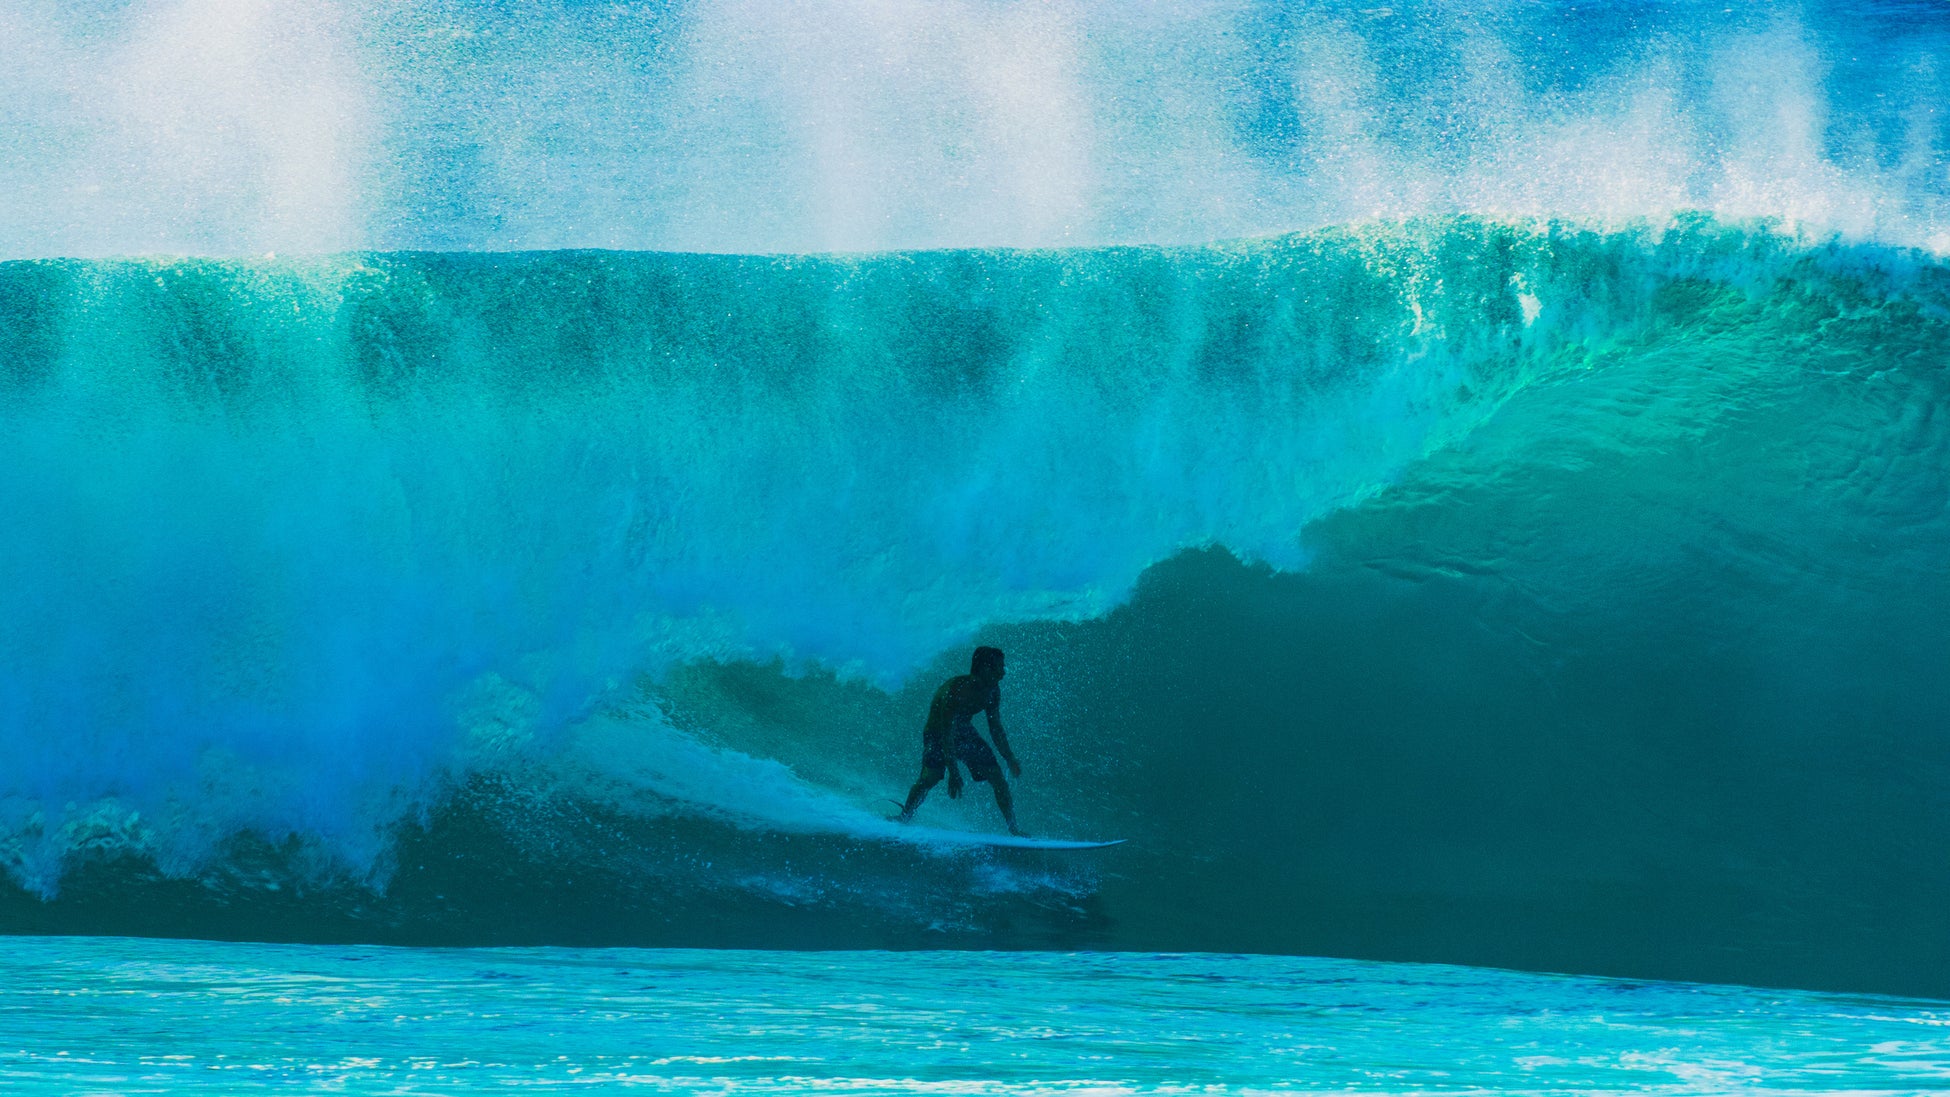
x=1005 y=801
x=928 y=779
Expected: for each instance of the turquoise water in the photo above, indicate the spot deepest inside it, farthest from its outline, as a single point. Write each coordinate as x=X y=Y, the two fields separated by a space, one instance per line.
x=122 y=1016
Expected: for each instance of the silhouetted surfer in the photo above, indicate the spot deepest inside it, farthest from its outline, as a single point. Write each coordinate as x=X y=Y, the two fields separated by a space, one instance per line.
x=949 y=737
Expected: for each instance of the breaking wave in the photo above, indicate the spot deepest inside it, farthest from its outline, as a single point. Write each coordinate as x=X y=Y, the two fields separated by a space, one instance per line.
x=1390 y=586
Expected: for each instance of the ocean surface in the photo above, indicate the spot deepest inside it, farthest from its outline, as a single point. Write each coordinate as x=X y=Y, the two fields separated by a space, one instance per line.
x=123 y=1016
x=1457 y=483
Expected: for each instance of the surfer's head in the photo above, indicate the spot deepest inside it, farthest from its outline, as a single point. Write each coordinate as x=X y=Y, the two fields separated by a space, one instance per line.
x=987 y=663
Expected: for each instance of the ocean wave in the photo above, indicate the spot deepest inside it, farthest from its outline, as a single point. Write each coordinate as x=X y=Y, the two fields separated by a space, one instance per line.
x=321 y=557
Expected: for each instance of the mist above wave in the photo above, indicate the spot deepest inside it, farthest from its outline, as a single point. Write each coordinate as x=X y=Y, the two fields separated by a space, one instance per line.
x=243 y=126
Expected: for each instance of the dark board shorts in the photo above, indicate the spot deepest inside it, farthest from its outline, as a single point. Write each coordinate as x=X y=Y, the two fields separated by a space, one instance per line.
x=971 y=751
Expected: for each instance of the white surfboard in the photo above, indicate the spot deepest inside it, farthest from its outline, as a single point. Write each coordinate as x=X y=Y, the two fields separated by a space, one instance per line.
x=1010 y=841
x=938 y=836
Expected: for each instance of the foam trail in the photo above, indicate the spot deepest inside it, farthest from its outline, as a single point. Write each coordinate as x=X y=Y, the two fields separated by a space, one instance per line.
x=634 y=759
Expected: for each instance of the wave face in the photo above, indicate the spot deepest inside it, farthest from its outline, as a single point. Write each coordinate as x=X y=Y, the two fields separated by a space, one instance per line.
x=1501 y=592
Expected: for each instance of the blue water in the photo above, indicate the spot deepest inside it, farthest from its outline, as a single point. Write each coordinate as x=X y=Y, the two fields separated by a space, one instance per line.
x=127 y=1016
x=1456 y=482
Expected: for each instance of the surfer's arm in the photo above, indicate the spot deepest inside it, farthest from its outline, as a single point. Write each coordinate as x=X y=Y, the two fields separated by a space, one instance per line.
x=994 y=713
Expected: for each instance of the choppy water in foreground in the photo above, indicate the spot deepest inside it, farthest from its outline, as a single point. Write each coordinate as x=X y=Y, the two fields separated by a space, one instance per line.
x=118 y=1015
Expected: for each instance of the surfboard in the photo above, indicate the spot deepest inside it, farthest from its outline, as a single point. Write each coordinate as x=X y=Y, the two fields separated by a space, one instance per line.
x=910 y=832
x=1010 y=841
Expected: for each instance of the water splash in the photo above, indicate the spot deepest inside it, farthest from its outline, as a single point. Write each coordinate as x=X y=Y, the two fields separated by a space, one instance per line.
x=240 y=126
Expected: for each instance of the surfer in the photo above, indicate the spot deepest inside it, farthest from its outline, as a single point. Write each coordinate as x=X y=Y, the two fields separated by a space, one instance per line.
x=949 y=737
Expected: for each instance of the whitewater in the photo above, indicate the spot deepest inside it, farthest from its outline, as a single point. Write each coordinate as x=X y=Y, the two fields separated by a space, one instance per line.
x=1457 y=484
